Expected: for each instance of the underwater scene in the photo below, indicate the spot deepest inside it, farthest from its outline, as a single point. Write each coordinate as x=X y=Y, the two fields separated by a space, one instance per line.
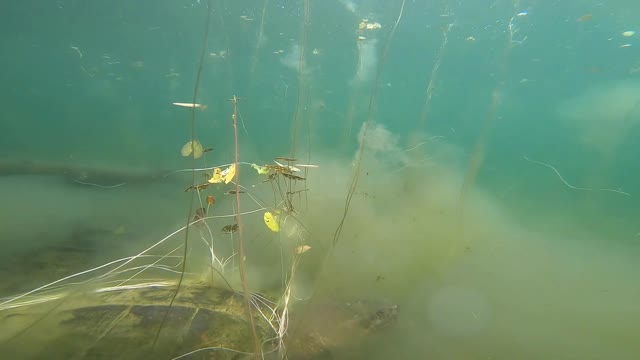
x=320 y=179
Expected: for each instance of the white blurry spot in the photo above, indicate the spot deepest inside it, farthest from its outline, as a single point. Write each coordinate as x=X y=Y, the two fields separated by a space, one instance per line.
x=350 y=5
x=367 y=62
x=524 y=13
x=382 y=147
x=611 y=106
x=302 y=249
x=625 y=45
x=302 y=287
x=628 y=33
x=292 y=58
x=459 y=311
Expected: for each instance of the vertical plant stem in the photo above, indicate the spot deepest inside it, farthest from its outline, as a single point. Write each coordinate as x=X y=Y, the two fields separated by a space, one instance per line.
x=243 y=273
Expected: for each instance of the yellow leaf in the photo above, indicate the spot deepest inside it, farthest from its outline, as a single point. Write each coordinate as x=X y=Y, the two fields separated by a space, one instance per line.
x=229 y=173
x=192 y=148
x=216 y=177
x=262 y=170
x=271 y=221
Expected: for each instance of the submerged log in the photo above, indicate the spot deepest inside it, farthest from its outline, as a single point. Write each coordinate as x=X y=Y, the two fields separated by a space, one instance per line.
x=80 y=174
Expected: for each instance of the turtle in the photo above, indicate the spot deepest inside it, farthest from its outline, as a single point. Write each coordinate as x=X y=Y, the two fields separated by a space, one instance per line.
x=203 y=322
x=329 y=327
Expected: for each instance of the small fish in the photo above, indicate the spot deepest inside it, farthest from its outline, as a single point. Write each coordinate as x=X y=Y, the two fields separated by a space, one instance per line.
x=233 y=192
x=308 y=166
x=282 y=158
x=190 y=105
x=198 y=187
x=292 y=177
x=228 y=229
x=584 y=18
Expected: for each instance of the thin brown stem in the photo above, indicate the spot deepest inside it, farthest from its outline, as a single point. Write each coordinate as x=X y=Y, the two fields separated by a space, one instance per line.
x=243 y=274
x=193 y=176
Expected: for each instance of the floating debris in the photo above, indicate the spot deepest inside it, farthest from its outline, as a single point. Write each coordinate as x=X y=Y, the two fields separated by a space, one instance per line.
x=302 y=249
x=229 y=173
x=374 y=26
x=200 y=214
x=210 y=200
x=366 y=25
x=216 y=177
x=262 y=170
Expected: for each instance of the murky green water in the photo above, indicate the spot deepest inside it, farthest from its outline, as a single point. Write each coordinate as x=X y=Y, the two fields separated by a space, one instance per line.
x=471 y=164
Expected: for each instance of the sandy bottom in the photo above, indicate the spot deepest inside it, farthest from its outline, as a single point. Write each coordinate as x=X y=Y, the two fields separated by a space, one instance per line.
x=481 y=285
